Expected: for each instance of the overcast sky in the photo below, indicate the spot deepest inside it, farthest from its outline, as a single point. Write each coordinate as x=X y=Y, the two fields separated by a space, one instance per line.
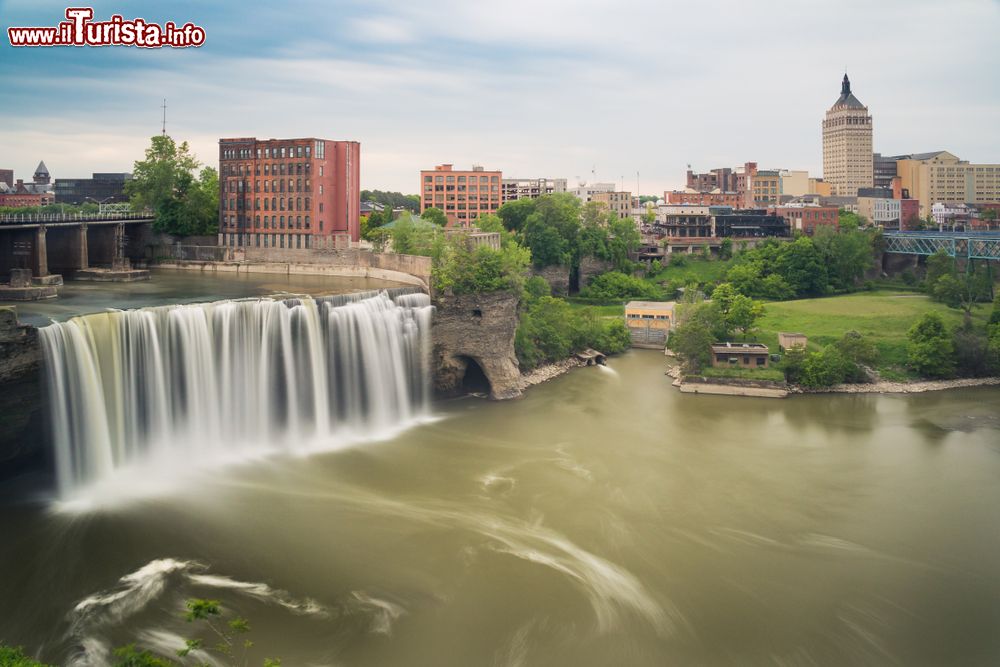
x=532 y=87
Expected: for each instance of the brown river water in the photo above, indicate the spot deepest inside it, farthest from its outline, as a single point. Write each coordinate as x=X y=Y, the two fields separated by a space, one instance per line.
x=603 y=519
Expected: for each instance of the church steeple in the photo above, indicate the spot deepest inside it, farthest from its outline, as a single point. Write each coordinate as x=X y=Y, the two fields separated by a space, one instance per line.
x=845 y=87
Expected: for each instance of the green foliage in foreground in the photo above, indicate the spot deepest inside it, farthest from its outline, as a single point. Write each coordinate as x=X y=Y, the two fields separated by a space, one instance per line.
x=551 y=330
x=13 y=656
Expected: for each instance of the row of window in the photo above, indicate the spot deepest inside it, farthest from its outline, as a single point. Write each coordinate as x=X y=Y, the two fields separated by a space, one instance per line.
x=269 y=153
x=272 y=204
x=291 y=241
x=274 y=185
x=270 y=169
x=461 y=179
x=272 y=221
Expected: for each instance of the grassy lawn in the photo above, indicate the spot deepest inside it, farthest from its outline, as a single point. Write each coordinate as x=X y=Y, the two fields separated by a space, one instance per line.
x=613 y=310
x=773 y=374
x=882 y=316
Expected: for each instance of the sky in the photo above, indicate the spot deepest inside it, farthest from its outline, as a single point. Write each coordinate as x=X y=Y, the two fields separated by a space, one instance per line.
x=579 y=89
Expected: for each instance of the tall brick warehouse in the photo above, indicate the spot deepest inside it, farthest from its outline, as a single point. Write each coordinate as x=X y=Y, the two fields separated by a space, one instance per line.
x=288 y=193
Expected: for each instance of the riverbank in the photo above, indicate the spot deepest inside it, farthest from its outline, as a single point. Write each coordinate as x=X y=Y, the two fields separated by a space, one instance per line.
x=880 y=387
x=915 y=387
x=548 y=372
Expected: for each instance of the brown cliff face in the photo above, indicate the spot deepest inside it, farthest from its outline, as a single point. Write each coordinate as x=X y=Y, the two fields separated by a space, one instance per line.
x=473 y=333
x=21 y=427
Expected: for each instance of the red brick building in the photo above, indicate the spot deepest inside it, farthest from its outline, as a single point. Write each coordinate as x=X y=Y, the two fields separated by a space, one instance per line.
x=462 y=195
x=19 y=199
x=807 y=218
x=288 y=193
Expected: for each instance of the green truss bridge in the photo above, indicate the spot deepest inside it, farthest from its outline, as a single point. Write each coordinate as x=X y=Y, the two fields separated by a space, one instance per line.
x=968 y=245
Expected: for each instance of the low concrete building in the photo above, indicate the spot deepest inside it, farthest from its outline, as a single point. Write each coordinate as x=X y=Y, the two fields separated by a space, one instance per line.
x=649 y=322
x=788 y=340
x=740 y=355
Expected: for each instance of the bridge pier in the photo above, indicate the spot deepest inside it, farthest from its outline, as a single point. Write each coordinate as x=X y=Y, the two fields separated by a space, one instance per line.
x=41 y=258
x=81 y=243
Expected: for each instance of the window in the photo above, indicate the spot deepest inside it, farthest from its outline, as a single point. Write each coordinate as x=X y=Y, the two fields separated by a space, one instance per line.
x=321 y=170
x=282 y=222
x=321 y=210
x=282 y=155
x=321 y=188
x=308 y=151
x=307 y=223
x=298 y=151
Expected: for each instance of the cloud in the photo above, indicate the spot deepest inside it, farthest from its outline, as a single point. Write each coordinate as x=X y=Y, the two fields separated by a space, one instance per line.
x=551 y=88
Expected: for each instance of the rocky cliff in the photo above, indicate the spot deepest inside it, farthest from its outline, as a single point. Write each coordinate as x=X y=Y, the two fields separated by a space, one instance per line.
x=473 y=333
x=21 y=422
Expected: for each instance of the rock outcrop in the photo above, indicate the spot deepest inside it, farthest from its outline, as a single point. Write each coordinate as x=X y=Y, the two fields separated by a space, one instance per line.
x=556 y=276
x=21 y=423
x=591 y=267
x=476 y=329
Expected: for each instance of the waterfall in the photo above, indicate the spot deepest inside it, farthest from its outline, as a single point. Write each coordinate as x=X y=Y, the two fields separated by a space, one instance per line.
x=221 y=381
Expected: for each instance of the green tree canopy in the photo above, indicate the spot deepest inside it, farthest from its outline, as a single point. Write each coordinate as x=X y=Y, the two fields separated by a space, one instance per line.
x=435 y=215
x=930 y=351
x=165 y=182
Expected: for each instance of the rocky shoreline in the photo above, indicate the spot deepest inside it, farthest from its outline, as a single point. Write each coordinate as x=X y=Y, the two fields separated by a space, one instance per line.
x=548 y=372
x=916 y=387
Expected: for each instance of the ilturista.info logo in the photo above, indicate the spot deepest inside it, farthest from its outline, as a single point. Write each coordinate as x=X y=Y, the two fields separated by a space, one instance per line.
x=80 y=29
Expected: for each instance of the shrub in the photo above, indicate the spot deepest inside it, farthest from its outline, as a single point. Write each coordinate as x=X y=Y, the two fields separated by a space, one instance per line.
x=931 y=352
x=615 y=285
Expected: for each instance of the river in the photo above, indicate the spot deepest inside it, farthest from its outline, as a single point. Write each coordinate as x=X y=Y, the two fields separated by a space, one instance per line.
x=603 y=519
x=168 y=286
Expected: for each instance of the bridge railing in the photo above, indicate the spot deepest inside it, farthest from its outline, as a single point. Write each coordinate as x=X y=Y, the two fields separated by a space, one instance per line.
x=36 y=218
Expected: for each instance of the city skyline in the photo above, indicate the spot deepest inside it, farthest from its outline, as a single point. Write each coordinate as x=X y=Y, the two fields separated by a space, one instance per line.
x=451 y=83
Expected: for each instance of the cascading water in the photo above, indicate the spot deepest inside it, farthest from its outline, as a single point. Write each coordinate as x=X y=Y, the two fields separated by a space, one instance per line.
x=224 y=380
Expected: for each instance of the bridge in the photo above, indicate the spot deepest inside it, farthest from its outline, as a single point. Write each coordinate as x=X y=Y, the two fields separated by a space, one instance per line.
x=47 y=242
x=960 y=245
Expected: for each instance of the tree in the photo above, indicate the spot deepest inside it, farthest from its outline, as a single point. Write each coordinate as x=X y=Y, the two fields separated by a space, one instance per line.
x=699 y=325
x=824 y=369
x=165 y=182
x=847 y=254
x=552 y=230
x=802 y=267
x=743 y=314
x=515 y=213
x=930 y=351
x=623 y=241
x=435 y=215
x=939 y=264
x=960 y=290
x=726 y=249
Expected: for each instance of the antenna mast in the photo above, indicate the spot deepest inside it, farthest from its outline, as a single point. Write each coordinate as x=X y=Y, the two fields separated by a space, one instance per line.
x=164 y=105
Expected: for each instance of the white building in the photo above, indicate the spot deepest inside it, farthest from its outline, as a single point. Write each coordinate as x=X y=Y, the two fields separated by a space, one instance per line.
x=530 y=188
x=585 y=192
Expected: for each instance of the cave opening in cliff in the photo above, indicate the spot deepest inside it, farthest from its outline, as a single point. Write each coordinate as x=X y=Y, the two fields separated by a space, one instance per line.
x=475 y=381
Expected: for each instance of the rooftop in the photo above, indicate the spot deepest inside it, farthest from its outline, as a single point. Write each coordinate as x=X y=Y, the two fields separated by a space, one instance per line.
x=756 y=348
x=650 y=305
x=847 y=98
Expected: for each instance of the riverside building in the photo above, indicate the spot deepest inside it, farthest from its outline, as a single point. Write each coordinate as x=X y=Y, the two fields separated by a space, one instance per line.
x=462 y=195
x=289 y=193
